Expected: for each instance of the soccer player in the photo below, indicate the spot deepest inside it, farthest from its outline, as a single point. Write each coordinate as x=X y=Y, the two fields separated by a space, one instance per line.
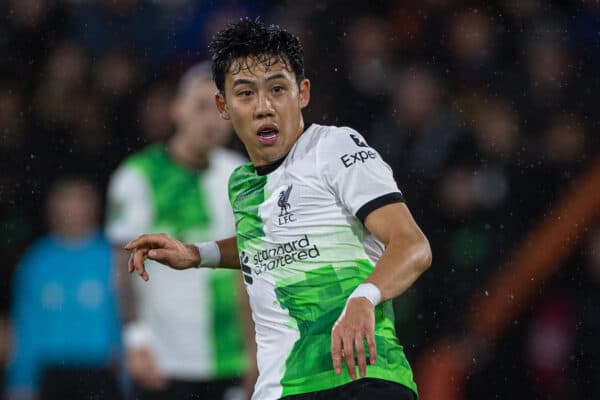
x=184 y=333
x=324 y=239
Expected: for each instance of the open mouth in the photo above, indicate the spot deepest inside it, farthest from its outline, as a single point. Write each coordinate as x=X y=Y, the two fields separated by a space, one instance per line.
x=267 y=134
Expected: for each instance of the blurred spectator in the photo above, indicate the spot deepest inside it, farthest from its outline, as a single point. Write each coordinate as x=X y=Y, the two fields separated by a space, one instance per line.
x=155 y=123
x=521 y=9
x=547 y=63
x=12 y=136
x=477 y=214
x=549 y=346
x=472 y=47
x=191 y=24
x=115 y=82
x=497 y=145
x=364 y=86
x=69 y=128
x=116 y=74
x=25 y=24
x=61 y=85
x=133 y=24
x=366 y=41
x=417 y=134
x=66 y=330
x=189 y=341
x=557 y=155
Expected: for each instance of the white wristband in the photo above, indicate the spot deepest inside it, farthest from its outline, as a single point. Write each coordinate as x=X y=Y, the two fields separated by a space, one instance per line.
x=210 y=254
x=136 y=334
x=368 y=290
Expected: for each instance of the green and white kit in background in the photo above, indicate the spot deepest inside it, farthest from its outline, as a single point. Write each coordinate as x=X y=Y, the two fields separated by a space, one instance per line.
x=303 y=250
x=189 y=319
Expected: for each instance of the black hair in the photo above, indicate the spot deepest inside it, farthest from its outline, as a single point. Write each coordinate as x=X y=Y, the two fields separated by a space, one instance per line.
x=254 y=42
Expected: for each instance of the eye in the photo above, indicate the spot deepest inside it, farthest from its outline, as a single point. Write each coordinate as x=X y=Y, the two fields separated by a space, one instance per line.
x=277 y=89
x=244 y=93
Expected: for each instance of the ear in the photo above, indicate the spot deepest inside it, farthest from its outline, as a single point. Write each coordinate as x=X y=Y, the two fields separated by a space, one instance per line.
x=222 y=105
x=304 y=93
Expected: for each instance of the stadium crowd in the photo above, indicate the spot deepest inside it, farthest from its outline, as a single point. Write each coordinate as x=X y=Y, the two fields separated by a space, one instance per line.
x=486 y=112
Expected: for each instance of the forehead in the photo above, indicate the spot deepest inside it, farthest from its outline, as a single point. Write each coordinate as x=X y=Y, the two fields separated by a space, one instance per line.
x=256 y=66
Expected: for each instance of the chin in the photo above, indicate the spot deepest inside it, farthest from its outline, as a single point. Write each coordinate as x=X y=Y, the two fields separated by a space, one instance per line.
x=271 y=157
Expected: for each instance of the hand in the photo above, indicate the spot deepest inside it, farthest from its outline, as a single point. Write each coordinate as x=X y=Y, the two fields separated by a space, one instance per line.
x=143 y=370
x=353 y=327
x=162 y=248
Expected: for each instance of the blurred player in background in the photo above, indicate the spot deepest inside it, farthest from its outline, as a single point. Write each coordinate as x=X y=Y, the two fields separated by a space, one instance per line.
x=184 y=334
x=316 y=209
x=65 y=321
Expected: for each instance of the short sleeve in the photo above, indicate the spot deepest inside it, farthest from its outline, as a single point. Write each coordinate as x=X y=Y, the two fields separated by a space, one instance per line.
x=129 y=206
x=356 y=173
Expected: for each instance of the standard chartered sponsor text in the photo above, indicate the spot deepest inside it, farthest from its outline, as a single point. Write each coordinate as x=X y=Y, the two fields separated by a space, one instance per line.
x=284 y=254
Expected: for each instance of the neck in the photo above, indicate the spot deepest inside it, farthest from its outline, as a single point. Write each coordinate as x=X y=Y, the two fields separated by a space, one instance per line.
x=185 y=155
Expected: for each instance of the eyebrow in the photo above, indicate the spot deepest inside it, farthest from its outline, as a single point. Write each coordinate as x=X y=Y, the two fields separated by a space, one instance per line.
x=276 y=76
x=242 y=81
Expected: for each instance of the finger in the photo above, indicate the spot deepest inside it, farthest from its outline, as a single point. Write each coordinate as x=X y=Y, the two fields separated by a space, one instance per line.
x=147 y=241
x=360 y=355
x=138 y=262
x=160 y=255
x=348 y=346
x=372 y=347
x=336 y=352
x=130 y=266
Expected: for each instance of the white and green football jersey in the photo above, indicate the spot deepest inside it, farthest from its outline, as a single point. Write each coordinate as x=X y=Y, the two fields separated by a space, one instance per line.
x=303 y=249
x=191 y=319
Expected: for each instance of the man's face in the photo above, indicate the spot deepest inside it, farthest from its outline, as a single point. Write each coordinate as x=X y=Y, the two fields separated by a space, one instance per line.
x=196 y=118
x=264 y=105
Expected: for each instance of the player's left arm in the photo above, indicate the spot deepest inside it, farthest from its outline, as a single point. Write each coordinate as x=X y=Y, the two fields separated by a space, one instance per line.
x=365 y=186
x=407 y=255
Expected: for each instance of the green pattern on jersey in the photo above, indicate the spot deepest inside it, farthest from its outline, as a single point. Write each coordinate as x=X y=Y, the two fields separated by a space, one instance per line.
x=180 y=208
x=179 y=203
x=229 y=335
x=247 y=193
x=315 y=303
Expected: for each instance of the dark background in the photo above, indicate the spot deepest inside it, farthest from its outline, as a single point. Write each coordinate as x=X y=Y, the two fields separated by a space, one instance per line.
x=486 y=111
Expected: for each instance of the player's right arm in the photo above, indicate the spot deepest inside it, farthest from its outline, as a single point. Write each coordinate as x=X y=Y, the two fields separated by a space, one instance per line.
x=171 y=252
x=130 y=212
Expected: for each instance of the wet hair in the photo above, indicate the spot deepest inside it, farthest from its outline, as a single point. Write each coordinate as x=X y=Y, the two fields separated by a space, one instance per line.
x=252 y=42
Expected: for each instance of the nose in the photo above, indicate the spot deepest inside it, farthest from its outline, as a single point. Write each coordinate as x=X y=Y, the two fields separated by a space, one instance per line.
x=264 y=107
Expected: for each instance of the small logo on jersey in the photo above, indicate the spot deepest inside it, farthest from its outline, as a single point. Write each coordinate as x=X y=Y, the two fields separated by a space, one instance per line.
x=359 y=157
x=285 y=215
x=281 y=255
x=246 y=270
x=358 y=141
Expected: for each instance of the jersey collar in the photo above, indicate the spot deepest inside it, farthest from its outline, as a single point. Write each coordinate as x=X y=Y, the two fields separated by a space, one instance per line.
x=268 y=168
